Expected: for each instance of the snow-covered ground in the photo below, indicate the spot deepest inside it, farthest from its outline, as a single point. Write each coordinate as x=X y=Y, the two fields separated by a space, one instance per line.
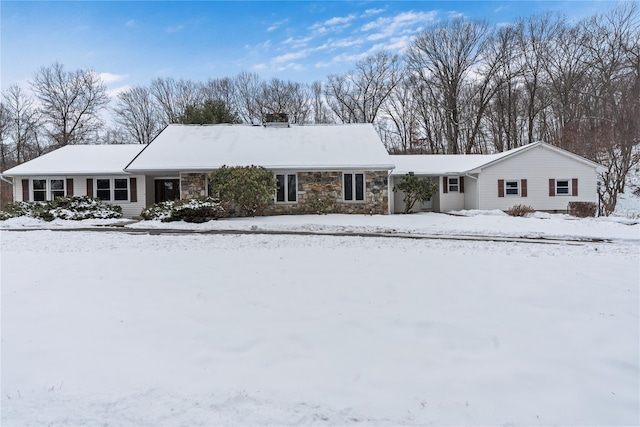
x=123 y=328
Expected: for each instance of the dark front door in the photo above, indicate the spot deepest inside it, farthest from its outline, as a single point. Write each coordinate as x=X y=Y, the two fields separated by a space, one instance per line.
x=167 y=189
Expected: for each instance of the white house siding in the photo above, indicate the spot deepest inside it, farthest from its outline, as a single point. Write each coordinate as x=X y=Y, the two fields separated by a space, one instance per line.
x=537 y=166
x=129 y=209
x=451 y=200
x=397 y=198
x=470 y=193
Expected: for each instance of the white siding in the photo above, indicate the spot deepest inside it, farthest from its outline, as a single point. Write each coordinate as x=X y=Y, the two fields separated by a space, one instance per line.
x=17 y=189
x=470 y=193
x=397 y=198
x=129 y=209
x=537 y=166
x=451 y=200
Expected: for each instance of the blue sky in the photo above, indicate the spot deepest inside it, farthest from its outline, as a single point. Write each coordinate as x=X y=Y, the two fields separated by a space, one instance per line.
x=132 y=42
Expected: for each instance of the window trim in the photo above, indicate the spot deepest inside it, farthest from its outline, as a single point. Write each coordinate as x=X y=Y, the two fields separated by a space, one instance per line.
x=286 y=189
x=354 y=190
x=450 y=186
x=48 y=190
x=568 y=187
x=112 y=188
x=518 y=188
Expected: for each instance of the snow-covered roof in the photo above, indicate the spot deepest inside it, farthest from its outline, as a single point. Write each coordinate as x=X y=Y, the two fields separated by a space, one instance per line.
x=312 y=147
x=458 y=164
x=79 y=160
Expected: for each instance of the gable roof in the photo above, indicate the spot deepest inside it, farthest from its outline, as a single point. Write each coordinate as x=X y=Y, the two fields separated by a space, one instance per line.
x=79 y=160
x=311 y=147
x=460 y=164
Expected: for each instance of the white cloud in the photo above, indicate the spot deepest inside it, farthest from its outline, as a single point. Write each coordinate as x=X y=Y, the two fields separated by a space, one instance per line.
x=175 y=28
x=390 y=25
x=130 y=23
x=371 y=12
x=455 y=15
x=297 y=42
x=290 y=56
x=333 y=24
x=339 y=20
x=112 y=93
x=108 y=78
x=274 y=26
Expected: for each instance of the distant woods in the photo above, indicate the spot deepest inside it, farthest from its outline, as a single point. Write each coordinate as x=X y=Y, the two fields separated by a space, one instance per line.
x=461 y=86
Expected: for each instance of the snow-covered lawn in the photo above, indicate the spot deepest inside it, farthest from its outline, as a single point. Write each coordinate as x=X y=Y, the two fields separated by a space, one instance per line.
x=127 y=329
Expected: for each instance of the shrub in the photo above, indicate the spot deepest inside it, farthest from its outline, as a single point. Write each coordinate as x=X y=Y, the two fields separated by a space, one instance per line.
x=246 y=189
x=583 y=209
x=191 y=210
x=520 y=210
x=196 y=210
x=68 y=207
x=415 y=190
x=160 y=210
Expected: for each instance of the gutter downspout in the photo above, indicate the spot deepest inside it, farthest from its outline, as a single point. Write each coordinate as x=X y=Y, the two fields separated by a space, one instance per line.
x=390 y=193
x=477 y=190
x=6 y=180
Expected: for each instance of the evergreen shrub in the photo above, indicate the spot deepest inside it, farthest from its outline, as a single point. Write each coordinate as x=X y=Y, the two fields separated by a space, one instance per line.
x=192 y=210
x=67 y=207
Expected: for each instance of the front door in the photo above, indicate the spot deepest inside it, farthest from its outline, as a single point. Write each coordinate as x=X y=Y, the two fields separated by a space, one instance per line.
x=167 y=189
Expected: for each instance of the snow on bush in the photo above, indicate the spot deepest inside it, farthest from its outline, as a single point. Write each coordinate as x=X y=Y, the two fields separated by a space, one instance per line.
x=192 y=210
x=69 y=207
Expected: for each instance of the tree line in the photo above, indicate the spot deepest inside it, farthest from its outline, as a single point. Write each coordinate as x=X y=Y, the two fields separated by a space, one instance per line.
x=462 y=86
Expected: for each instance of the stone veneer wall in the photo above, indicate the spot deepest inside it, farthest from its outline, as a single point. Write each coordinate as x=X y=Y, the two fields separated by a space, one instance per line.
x=318 y=192
x=193 y=185
x=321 y=192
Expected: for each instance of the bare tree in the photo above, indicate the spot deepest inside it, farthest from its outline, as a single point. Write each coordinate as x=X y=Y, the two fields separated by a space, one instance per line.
x=7 y=159
x=613 y=49
x=566 y=79
x=443 y=57
x=71 y=103
x=504 y=114
x=536 y=35
x=247 y=92
x=138 y=114
x=357 y=96
x=222 y=89
x=23 y=126
x=279 y=96
x=174 y=96
x=401 y=107
x=321 y=113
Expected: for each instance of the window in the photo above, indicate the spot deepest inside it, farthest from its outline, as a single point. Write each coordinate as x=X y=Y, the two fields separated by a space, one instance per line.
x=39 y=190
x=103 y=189
x=47 y=189
x=287 y=187
x=453 y=185
x=512 y=188
x=120 y=189
x=562 y=187
x=57 y=188
x=353 y=186
x=112 y=189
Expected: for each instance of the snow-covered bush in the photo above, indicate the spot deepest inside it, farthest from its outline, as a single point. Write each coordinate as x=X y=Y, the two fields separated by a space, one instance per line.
x=192 y=210
x=520 y=210
x=68 y=207
x=159 y=211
